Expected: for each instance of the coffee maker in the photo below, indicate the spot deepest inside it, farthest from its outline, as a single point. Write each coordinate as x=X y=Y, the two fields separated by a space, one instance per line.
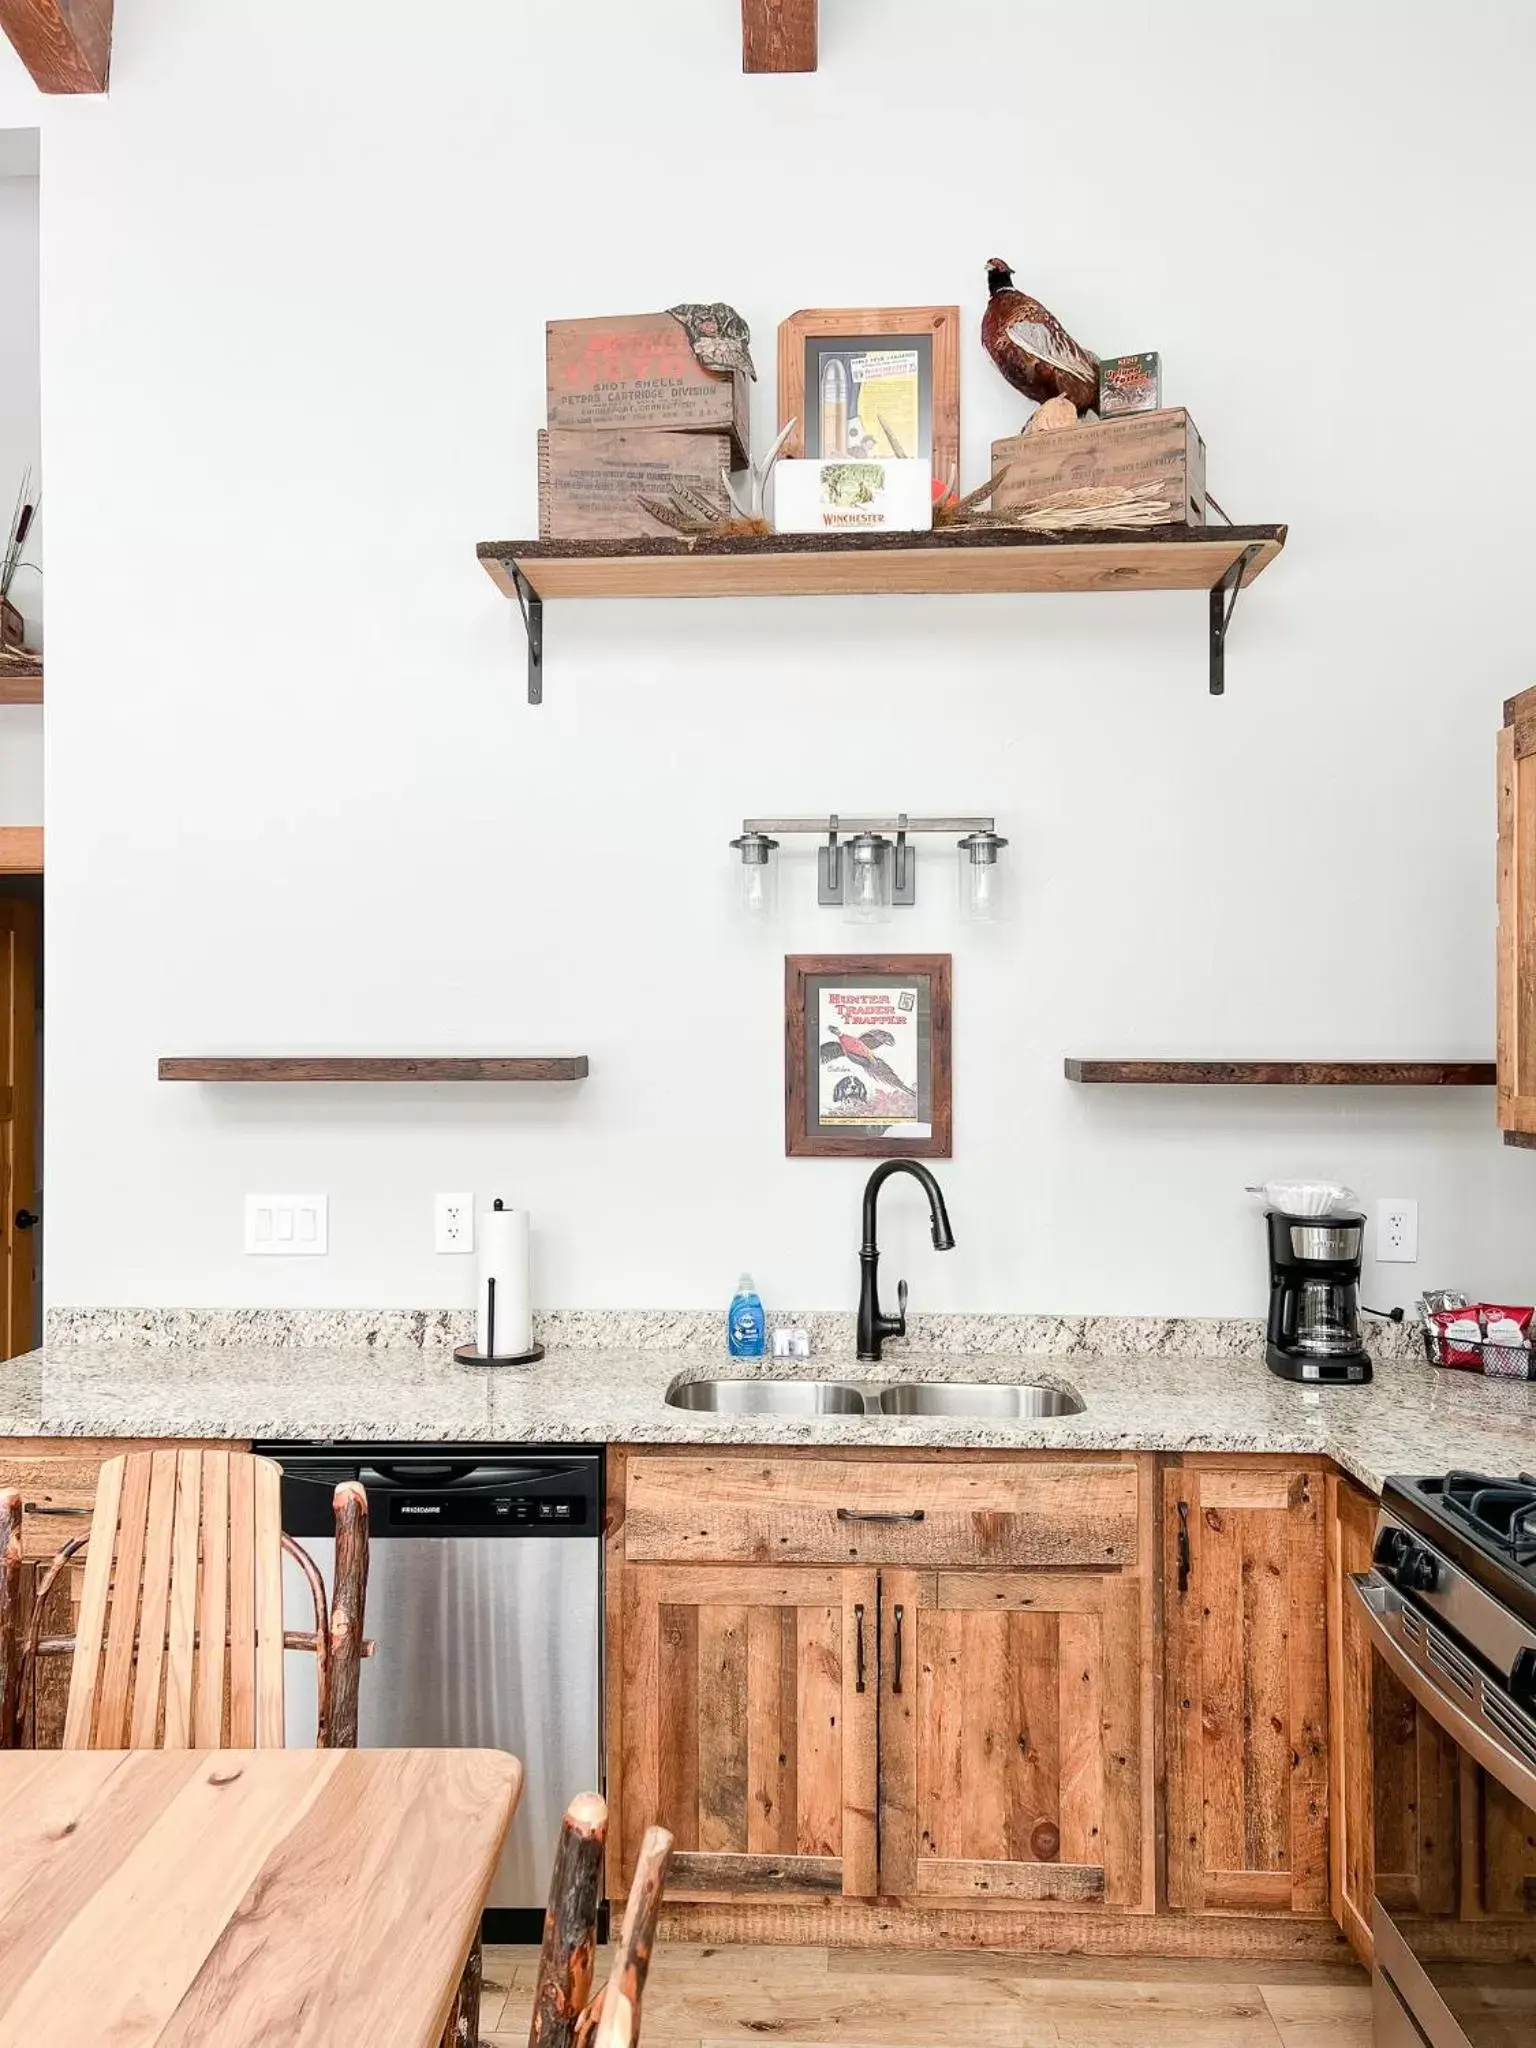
x=1314 y=1299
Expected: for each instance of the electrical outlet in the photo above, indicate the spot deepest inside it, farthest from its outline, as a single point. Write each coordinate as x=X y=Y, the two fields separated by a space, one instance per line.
x=1397 y=1231
x=454 y=1230
x=287 y=1226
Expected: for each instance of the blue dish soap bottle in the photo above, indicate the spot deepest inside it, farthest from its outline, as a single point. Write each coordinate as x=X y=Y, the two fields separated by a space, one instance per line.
x=746 y=1328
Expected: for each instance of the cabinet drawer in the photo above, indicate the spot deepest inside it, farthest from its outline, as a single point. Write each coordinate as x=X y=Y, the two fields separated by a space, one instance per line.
x=836 y=1511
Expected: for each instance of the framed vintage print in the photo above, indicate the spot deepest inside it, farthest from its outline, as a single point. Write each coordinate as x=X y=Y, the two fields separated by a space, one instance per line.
x=873 y=381
x=867 y=1071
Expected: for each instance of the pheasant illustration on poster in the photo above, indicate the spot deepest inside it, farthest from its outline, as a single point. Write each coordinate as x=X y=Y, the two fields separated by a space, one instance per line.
x=869 y=1061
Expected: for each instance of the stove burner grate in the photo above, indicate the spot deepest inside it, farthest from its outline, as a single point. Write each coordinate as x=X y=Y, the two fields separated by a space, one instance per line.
x=1501 y=1512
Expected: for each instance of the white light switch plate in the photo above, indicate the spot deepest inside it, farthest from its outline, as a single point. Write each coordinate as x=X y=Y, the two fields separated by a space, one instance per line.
x=1397 y=1231
x=287 y=1226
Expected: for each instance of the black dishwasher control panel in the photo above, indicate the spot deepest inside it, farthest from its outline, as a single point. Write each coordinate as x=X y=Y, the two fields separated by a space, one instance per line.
x=448 y=1489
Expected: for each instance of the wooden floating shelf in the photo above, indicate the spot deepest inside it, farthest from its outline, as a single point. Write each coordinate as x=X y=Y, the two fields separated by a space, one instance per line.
x=1286 y=1073
x=1219 y=561
x=568 y=1067
x=21 y=849
x=21 y=682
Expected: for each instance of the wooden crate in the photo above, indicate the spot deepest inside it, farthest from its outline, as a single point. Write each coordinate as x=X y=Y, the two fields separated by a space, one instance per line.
x=637 y=370
x=589 y=480
x=1149 y=447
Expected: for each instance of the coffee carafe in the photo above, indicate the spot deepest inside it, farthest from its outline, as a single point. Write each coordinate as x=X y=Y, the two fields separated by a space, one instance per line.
x=1314 y=1299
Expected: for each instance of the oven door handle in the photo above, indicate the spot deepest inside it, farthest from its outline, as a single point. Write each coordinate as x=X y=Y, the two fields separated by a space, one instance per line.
x=1379 y=1603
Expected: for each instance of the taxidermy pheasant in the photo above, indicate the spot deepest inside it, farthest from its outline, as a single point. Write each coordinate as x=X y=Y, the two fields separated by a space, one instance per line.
x=717 y=335
x=1032 y=348
x=861 y=1050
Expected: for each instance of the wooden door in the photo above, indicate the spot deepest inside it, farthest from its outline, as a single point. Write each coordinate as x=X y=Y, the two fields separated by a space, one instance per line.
x=1011 y=1764
x=748 y=1727
x=1245 y=1663
x=18 y=1112
x=1517 y=921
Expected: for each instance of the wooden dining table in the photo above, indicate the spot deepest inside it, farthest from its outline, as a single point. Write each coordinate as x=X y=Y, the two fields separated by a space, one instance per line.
x=224 y=1897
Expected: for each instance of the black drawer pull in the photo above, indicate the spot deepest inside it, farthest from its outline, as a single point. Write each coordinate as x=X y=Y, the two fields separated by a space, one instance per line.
x=1184 y=1557
x=858 y=1623
x=37 y=1507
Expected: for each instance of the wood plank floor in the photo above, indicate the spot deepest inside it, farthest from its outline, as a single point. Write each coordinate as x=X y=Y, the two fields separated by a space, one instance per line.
x=917 y=1998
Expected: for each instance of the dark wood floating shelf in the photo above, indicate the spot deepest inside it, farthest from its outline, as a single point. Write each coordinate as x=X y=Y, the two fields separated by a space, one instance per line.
x=570 y=1067
x=1287 y=1073
x=1219 y=560
x=21 y=682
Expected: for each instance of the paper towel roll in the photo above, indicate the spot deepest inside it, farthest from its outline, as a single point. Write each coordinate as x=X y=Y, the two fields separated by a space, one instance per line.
x=503 y=1258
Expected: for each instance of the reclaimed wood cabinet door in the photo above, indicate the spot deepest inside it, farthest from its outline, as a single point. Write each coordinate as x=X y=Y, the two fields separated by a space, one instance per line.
x=1246 y=1688
x=1011 y=1738
x=1396 y=1776
x=748 y=1727
x=1517 y=921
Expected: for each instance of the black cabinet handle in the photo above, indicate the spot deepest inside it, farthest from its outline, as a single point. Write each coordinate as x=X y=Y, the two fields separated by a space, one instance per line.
x=1184 y=1558
x=27 y=1219
x=880 y=1514
x=858 y=1647
x=37 y=1507
x=896 y=1663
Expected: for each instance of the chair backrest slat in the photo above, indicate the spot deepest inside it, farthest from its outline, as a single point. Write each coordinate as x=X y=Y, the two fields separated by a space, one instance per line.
x=212 y=1607
x=154 y=1602
x=182 y=1606
x=93 y=1607
x=269 y=1605
x=242 y=1606
x=182 y=1631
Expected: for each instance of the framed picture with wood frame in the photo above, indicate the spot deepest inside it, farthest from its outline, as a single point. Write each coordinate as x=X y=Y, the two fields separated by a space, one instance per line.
x=873 y=381
x=867 y=1068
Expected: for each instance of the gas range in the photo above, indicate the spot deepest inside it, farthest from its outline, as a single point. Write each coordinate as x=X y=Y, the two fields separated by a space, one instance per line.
x=1455 y=1573
x=1450 y=1611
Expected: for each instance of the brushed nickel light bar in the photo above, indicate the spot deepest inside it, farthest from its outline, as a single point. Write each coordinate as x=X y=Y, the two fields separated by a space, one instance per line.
x=867 y=866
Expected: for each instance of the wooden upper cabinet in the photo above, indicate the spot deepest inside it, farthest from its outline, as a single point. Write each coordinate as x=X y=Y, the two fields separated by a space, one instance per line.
x=1011 y=1714
x=1246 y=1688
x=748 y=1727
x=1517 y=919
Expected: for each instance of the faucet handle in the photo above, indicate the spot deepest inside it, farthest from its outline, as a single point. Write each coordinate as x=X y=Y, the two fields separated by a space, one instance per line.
x=901 y=1307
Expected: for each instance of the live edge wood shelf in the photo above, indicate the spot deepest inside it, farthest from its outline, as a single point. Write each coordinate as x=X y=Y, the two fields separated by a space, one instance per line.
x=21 y=681
x=568 y=1067
x=1286 y=1073
x=1217 y=560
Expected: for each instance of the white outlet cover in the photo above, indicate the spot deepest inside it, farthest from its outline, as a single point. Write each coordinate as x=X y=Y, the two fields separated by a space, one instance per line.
x=1397 y=1231
x=453 y=1228
x=287 y=1226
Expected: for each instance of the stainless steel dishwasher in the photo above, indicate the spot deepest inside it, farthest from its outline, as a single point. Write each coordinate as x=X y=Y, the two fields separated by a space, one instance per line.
x=484 y=1597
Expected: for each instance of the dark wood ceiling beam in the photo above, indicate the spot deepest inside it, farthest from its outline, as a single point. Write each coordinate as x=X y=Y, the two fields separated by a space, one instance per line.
x=65 y=44
x=776 y=35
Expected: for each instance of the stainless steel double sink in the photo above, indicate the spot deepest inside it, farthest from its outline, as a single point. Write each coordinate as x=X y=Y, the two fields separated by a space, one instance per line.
x=987 y=1401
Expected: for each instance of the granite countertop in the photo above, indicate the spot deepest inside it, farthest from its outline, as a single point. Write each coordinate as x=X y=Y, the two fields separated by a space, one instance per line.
x=1410 y=1419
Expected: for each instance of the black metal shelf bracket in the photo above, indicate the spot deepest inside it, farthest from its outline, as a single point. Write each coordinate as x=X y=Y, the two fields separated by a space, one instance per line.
x=531 y=605
x=1222 y=608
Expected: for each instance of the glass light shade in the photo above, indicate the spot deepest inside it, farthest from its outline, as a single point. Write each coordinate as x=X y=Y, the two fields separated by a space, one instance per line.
x=867 y=880
x=757 y=876
x=981 y=877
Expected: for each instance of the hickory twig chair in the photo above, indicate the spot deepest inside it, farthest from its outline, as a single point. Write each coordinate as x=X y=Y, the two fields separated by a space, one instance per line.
x=179 y=1641
x=565 y=2014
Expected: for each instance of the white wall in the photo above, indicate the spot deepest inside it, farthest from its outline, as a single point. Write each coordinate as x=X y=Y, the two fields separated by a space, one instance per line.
x=21 y=727
x=295 y=275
